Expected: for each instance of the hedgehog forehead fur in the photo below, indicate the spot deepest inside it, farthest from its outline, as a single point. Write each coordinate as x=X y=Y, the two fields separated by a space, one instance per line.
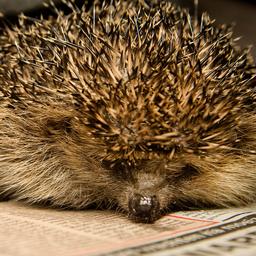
x=145 y=79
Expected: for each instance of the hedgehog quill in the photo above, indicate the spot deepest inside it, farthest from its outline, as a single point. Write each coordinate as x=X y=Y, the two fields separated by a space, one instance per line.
x=132 y=104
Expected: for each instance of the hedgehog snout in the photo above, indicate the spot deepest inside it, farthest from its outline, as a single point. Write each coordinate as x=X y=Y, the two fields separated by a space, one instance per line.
x=145 y=197
x=144 y=208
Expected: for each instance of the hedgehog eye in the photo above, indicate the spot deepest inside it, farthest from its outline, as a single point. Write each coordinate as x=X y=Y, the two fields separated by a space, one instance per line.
x=120 y=168
x=187 y=172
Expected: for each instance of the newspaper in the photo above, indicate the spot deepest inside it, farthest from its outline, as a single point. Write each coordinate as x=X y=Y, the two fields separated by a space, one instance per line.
x=34 y=231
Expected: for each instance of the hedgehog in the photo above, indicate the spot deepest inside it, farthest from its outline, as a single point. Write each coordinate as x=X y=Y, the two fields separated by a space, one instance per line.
x=130 y=105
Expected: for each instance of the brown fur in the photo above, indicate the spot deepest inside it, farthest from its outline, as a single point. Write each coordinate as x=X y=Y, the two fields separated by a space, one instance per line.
x=98 y=109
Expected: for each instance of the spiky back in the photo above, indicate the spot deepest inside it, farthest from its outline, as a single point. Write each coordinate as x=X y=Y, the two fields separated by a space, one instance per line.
x=146 y=77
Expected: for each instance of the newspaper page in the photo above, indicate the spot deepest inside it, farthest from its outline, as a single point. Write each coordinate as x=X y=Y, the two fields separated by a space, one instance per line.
x=34 y=231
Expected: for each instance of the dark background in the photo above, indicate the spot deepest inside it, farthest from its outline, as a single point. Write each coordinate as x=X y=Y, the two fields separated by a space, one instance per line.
x=242 y=13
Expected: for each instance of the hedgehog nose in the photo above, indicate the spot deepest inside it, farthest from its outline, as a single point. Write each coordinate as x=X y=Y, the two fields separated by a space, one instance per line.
x=143 y=208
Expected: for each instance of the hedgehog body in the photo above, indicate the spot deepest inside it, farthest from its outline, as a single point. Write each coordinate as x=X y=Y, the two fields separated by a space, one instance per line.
x=128 y=104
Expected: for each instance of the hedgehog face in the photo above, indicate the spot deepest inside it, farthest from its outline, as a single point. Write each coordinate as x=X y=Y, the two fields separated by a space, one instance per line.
x=148 y=188
x=145 y=184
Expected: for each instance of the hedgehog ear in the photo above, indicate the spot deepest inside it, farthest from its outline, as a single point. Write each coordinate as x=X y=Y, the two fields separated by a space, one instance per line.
x=55 y=126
